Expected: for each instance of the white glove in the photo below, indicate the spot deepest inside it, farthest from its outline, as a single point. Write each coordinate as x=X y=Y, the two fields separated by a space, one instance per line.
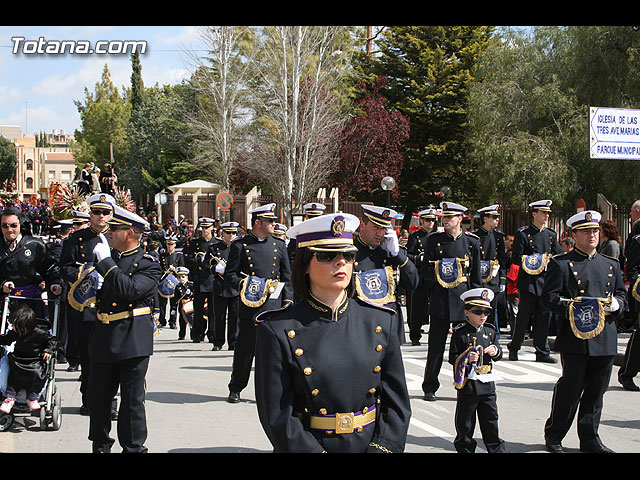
x=390 y=242
x=102 y=250
x=100 y=281
x=219 y=268
x=613 y=307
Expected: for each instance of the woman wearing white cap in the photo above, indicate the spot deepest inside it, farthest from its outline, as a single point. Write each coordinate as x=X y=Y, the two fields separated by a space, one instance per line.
x=329 y=372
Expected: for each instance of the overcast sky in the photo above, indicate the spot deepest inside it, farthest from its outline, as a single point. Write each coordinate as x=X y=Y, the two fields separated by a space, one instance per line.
x=37 y=91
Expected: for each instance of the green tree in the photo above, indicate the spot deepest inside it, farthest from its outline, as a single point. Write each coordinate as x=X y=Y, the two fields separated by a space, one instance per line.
x=524 y=126
x=529 y=114
x=602 y=69
x=8 y=159
x=429 y=69
x=104 y=115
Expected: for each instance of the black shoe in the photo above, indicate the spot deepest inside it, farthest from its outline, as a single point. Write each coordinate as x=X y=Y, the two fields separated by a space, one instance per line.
x=546 y=359
x=628 y=384
x=554 y=446
x=60 y=359
x=513 y=355
x=415 y=343
x=84 y=410
x=216 y=348
x=430 y=397
x=73 y=368
x=234 y=397
x=594 y=447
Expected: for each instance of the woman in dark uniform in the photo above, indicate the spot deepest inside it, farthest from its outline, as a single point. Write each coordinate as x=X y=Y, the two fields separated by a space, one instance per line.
x=329 y=375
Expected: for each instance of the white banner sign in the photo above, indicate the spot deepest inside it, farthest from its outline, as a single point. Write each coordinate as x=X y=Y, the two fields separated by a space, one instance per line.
x=614 y=133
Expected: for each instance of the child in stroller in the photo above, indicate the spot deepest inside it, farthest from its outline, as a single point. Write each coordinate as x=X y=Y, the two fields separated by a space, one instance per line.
x=34 y=347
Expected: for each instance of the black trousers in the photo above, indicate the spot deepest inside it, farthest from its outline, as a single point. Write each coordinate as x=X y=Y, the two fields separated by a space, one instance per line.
x=199 y=327
x=530 y=310
x=72 y=353
x=243 y=354
x=631 y=362
x=485 y=408
x=85 y=331
x=226 y=320
x=438 y=331
x=182 y=321
x=581 y=388
x=106 y=378
x=418 y=314
x=162 y=319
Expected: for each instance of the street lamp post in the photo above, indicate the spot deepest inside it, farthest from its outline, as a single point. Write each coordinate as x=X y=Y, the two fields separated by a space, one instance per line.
x=388 y=184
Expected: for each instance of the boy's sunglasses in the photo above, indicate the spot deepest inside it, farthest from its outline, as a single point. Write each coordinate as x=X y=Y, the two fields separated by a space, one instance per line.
x=328 y=257
x=481 y=311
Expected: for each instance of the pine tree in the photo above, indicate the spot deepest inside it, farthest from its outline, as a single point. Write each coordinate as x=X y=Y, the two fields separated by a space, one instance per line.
x=428 y=69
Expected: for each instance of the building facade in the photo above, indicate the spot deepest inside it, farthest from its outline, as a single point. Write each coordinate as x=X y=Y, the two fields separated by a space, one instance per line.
x=39 y=167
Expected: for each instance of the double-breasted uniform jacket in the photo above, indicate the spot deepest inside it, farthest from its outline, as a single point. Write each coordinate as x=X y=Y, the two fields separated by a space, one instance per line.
x=445 y=303
x=416 y=245
x=219 y=251
x=492 y=248
x=575 y=274
x=125 y=326
x=167 y=259
x=77 y=250
x=29 y=263
x=266 y=259
x=466 y=335
x=313 y=362
x=200 y=274
x=529 y=240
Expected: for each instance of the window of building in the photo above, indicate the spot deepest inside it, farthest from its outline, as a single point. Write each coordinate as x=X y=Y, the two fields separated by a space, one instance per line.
x=29 y=182
x=29 y=164
x=65 y=176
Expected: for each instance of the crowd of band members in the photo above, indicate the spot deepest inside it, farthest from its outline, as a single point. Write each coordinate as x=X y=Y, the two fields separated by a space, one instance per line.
x=214 y=260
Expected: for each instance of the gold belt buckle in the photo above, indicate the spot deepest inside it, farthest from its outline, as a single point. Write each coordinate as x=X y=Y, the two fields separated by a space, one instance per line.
x=103 y=317
x=344 y=422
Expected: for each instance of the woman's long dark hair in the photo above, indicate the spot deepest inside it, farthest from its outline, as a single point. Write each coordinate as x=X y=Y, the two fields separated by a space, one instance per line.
x=300 y=279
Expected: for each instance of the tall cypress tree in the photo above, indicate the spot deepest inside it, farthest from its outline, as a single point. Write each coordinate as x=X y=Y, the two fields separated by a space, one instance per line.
x=428 y=69
x=137 y=84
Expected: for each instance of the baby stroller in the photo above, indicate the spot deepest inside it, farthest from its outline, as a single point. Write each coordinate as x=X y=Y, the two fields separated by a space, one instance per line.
x=49 y=400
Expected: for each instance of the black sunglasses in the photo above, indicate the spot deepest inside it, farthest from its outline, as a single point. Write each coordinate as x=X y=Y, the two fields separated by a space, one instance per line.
x=328 y=257
x=481 y=311
x=101 y=212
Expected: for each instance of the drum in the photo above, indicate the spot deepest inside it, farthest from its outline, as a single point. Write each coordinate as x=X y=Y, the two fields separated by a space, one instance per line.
x=188 y=307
